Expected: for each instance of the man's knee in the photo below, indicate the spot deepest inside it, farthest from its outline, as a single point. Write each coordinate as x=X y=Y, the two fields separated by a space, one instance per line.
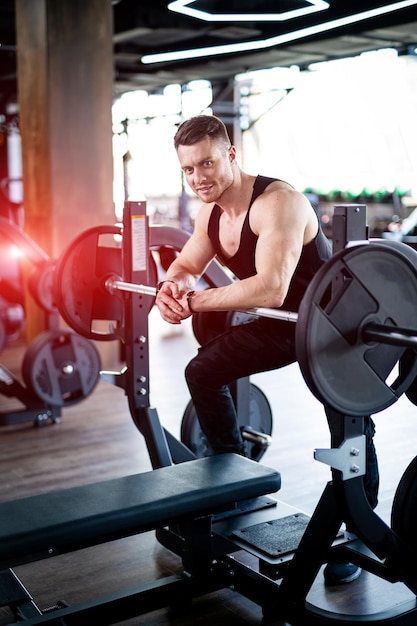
x=192 y=373
x=199 y=373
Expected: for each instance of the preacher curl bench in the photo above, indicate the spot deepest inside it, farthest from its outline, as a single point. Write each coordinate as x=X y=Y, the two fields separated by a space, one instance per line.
x=188 y=495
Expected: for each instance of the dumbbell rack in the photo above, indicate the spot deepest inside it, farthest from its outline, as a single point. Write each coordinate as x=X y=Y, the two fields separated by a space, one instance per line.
x=35 y=410
x=59 y=368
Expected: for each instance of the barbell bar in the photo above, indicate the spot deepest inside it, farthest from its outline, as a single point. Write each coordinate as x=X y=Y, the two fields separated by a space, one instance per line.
x=372 y=332
x=114 y=284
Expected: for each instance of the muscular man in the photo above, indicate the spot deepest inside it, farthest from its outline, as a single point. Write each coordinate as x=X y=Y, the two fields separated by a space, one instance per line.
x=269 y=235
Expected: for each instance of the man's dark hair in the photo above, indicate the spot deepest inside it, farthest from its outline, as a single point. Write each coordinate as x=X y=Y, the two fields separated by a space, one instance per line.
x=197 y=128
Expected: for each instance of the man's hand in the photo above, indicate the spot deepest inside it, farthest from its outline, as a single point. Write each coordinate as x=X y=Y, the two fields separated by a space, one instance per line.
x=172 y=303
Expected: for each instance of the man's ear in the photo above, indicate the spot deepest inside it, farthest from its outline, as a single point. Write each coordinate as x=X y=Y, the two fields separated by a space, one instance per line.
x=232 y=154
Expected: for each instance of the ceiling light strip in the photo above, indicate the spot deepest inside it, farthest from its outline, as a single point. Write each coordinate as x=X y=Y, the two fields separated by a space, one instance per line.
x=245 y=46
x=182 y=6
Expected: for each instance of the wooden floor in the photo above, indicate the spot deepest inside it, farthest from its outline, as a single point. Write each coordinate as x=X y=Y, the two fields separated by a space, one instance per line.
x=96 y=439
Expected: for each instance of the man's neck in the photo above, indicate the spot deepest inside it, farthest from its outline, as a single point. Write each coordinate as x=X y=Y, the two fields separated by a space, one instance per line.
x=235 y=200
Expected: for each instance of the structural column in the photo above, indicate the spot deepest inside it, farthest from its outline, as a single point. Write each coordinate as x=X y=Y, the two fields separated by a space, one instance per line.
x=65 y=87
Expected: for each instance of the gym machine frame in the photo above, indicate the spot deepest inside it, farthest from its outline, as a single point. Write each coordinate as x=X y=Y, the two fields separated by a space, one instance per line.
x=207 y=543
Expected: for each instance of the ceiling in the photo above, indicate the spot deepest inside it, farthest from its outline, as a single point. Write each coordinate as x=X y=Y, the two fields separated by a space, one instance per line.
x=145 y=28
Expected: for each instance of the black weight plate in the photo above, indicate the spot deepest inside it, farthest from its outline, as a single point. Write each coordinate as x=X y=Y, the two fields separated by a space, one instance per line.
x=398 y=246
x=41 y=286
x=365 y=283
x=3 y=335
x=80 y=293
x=80 y=274
x=407 y=361
x=209 y=324
x=260 y=419
x=404 y=506
x=13 y=318
x=61 y=367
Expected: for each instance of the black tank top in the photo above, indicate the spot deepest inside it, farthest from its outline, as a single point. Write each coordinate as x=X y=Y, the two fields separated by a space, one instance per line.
x=242 y=264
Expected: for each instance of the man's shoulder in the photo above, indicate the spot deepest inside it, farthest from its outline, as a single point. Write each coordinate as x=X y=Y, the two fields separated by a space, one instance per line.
x=279 y=190
x=203 y=214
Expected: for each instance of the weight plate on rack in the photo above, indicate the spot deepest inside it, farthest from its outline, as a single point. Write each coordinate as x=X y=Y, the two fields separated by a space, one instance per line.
x=61 y=367
x=365 y=283
x=260 y=420
x=80 y=276
x=210 y=324
x=41 y=286
x=3 y=335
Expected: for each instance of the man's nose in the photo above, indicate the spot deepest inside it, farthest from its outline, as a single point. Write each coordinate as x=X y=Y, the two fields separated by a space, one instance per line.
x=199 y=176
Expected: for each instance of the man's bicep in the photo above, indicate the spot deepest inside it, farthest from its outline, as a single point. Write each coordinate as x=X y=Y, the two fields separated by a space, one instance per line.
x=277 y=256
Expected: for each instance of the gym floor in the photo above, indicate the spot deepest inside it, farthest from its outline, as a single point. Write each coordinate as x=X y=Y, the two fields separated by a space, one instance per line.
x=96 y=439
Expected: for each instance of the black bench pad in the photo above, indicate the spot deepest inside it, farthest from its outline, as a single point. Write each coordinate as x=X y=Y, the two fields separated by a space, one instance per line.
x=62 y=521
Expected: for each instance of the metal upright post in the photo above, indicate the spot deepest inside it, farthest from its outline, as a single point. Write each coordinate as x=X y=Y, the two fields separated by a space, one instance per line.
x=135 y=258
x=349 y=225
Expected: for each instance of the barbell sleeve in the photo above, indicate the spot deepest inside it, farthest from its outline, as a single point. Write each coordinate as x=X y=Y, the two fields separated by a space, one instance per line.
x=390 y=334
x=113 y=284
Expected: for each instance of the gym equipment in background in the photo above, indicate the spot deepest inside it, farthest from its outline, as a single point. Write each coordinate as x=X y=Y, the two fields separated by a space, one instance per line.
x=59 y=367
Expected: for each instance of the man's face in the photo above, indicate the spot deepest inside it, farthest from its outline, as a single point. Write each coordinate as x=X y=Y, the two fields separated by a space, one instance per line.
x=207 y=168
